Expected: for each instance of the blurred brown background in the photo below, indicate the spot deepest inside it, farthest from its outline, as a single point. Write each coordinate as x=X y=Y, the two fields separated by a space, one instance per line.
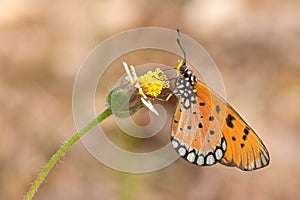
x=255 y=44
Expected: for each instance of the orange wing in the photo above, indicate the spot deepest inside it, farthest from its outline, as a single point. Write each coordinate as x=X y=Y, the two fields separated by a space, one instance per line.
x=244 y=149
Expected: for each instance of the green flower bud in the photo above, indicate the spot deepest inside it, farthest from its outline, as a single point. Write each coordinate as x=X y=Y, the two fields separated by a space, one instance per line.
x=124 y=100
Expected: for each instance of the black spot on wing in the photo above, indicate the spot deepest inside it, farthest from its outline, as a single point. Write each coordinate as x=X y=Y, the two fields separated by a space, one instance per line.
x=211 y=118
x=218 y=109
x=229 y=120
x=200 y=125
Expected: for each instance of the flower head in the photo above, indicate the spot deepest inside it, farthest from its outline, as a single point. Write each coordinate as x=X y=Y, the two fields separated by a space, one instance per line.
x=127 y=98
x=152 y=83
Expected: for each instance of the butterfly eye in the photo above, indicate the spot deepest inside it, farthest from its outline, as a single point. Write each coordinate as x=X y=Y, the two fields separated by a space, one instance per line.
x=182 y=68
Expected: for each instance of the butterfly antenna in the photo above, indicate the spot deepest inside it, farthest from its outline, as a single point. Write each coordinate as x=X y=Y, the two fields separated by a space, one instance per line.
x=180 y=45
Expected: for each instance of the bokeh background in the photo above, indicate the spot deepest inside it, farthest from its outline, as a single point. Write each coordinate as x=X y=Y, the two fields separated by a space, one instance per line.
x=255 y=45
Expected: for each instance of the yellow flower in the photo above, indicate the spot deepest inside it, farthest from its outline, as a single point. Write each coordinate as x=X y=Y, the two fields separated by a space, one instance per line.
x=152 y=83
x=149 y=85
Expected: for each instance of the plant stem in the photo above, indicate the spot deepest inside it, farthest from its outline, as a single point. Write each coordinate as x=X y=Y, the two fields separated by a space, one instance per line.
x=53 y=160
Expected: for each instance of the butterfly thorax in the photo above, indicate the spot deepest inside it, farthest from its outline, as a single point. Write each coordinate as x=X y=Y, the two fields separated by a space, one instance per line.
x=185 y=85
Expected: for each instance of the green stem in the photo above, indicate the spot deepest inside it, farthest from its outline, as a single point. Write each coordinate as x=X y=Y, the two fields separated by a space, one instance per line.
x=53 y=160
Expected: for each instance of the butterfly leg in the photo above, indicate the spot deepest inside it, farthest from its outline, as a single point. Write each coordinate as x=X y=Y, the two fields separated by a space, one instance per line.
x=169 y=96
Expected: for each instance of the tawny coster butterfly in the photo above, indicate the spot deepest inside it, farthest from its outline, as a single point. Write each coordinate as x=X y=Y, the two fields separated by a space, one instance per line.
x=207 y=130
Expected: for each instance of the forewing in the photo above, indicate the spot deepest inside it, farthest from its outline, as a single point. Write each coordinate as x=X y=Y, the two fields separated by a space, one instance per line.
x=245 y=149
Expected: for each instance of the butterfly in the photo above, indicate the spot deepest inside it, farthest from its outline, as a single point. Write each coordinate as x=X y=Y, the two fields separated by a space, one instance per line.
x=207 y=130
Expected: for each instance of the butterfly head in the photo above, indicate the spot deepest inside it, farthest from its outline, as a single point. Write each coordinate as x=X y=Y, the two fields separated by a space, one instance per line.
x=181 y=66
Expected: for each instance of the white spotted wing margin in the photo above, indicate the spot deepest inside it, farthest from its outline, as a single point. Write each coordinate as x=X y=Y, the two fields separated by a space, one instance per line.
x=199 y=158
